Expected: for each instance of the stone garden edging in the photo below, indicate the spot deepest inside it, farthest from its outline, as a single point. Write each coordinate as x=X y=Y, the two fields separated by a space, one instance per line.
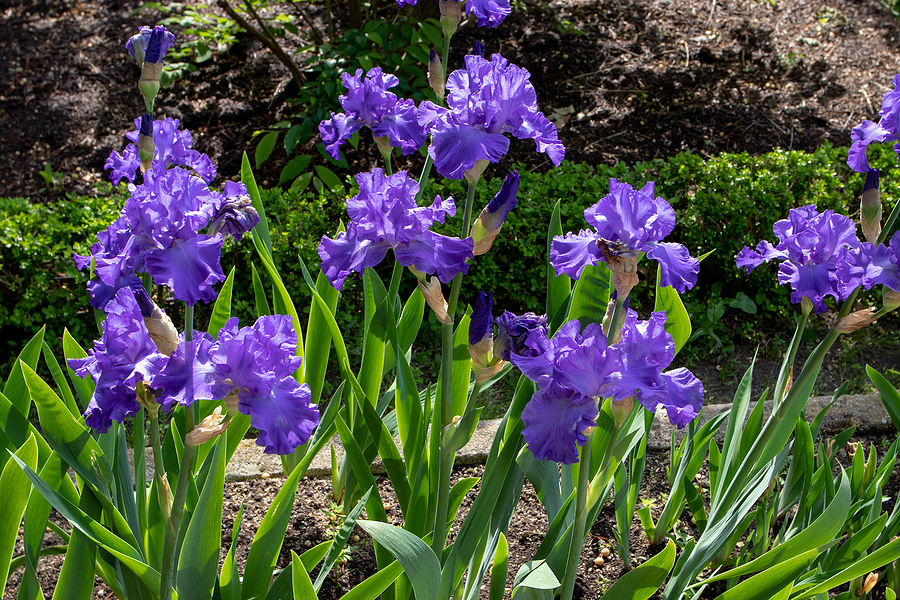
x=864 y=411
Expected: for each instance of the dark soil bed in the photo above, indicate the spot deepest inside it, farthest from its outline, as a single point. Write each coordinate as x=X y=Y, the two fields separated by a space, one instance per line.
x=628 y=80
x=310 y=524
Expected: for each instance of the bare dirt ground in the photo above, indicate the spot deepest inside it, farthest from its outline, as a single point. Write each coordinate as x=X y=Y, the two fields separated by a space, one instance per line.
x=627 y=79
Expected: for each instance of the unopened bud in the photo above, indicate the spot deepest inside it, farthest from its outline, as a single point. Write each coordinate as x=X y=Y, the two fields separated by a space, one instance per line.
x=210 y=427
x=451 y=13
x=621 y=410
x=435 y=299
x=891 y=299
x=384 y=146
x=864 y=586
x=870 y=208
x=806 y=306
x=855 y=321
x=146 y=147
x=164 y=495
x=477 y=49
x=474 y=174
x=436 y=74
x=491 y=219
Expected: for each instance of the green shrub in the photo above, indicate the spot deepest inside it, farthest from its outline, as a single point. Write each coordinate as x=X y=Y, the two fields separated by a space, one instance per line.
x=723 y=203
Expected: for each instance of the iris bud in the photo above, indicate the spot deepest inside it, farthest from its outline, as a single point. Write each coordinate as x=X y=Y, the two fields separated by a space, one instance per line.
x=491 y=219
x=621 y=410
x=435 y=299
x=481 y=340
x=160 y=327
x=146 y=147
x=451 y=13
x=478 y=49
x=436 y=74
x=870 y=208
x=148 y=48
x=855 y=321
x=474 y=174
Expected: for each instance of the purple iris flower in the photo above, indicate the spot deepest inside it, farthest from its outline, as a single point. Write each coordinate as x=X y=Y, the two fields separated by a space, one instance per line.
x=367 y=102
x=165 y=215
x=487 y=100
x=627 y=221
x=120 y=360
x=578 y=368
x=490 y=13
x=870 y=265
x=886 y=130
x=150 y=45
x=172 y=147
x=255 y=363
x=385 y=216
x=520 y=335
x=158 y=233
x=811 y=244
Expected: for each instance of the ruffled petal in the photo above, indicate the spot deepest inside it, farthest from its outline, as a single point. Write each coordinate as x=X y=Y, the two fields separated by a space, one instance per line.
x=555 y=420
x=337 y=130
x=347 y=254
x=678 y=268
x=189 y=268
x=434 y=253
x=572 y=253
x=285 y=417
x=455 y=147
x=402 y=128
x=490 y=13
x=861 y=136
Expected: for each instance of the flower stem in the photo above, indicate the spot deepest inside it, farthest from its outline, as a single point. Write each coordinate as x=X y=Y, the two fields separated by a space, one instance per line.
x=581 y=510
x=445 y=398
x=792 y=354
x=167 y=574
x=185 y=470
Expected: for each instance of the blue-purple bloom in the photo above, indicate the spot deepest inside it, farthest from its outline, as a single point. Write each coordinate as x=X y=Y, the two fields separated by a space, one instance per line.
x=811 y=245
x=487 y=100
x=578 y=368
x=627 y=221
x=158 y=233
x=172 y=147
x=384 y=215
x=255 y=363
x=886 y=130
x=520 y=335
x=869 y=265
x=367 y=102
x=122 y=359
x=489 y=13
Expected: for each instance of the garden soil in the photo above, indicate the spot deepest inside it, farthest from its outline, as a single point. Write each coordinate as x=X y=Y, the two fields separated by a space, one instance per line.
x=625 y=80
x=313 y=521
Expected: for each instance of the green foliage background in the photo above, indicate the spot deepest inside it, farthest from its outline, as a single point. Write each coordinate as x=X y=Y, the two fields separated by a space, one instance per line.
x=722 y=204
